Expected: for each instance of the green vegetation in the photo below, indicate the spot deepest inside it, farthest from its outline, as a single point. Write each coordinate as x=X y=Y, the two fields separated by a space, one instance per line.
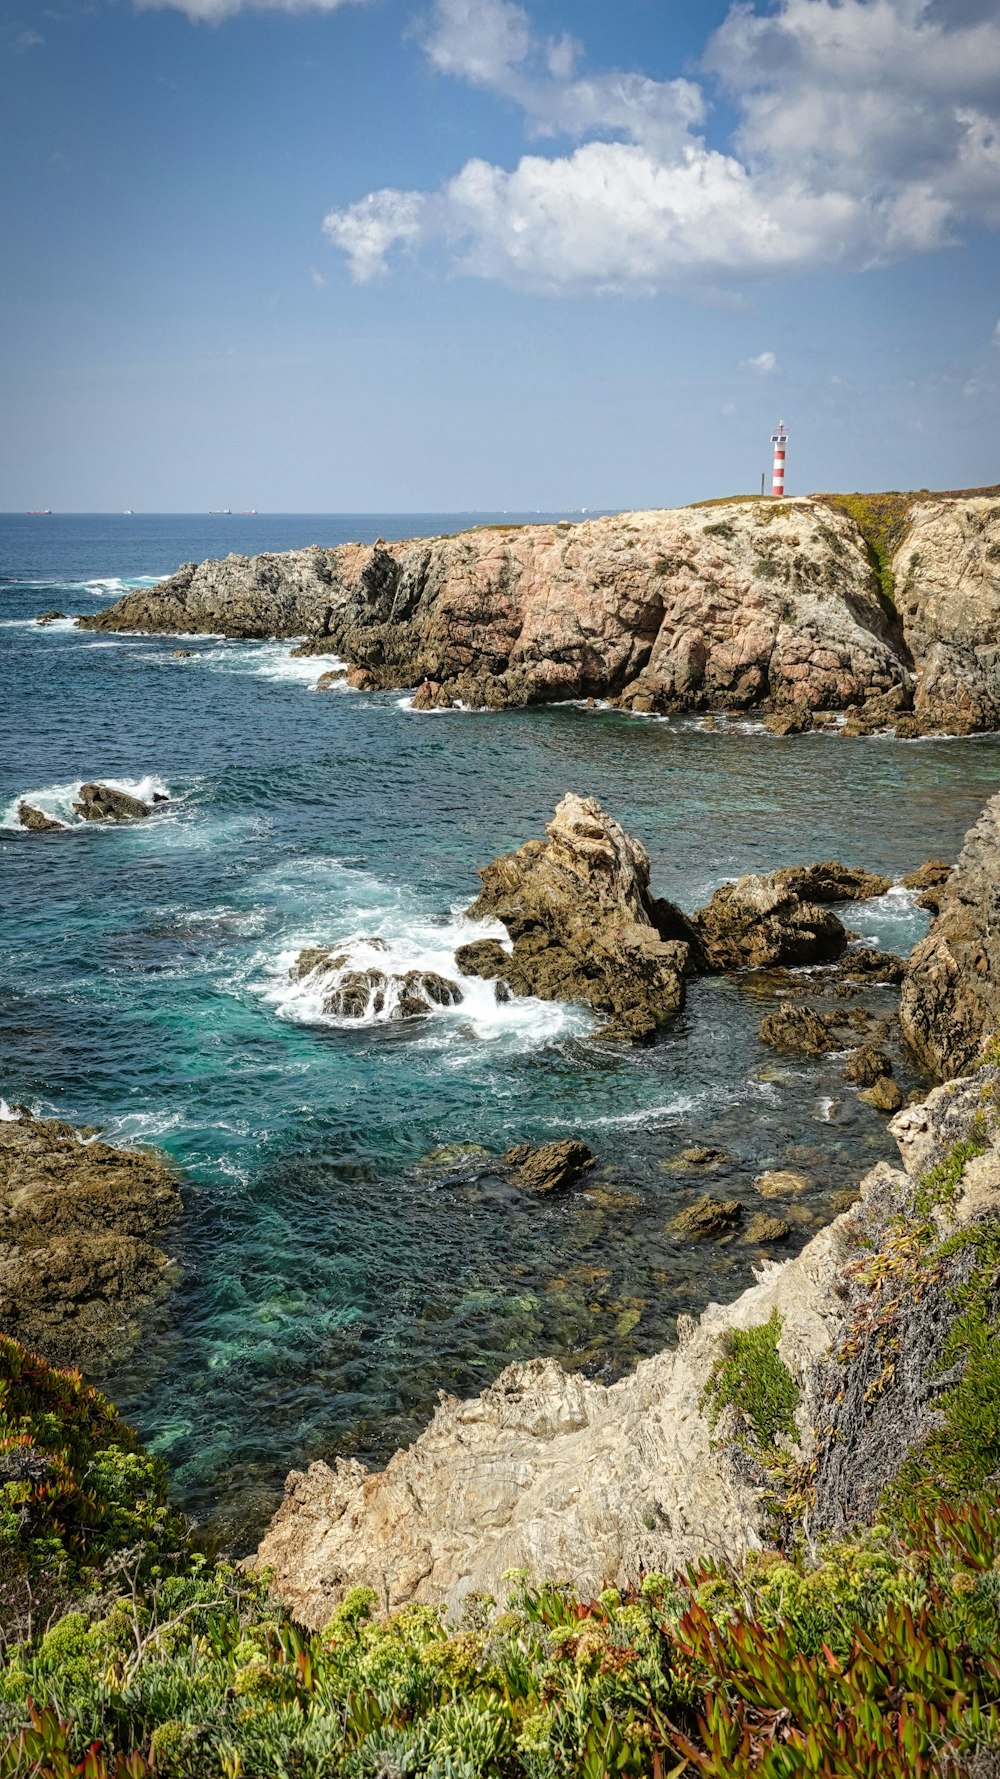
x=750 y=1379
x=882 y=520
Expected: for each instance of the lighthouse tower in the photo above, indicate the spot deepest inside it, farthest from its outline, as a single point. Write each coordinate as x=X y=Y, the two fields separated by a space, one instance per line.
x=779 y=440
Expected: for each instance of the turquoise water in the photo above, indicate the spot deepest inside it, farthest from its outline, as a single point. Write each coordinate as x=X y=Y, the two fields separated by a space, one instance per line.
x=333 y=1282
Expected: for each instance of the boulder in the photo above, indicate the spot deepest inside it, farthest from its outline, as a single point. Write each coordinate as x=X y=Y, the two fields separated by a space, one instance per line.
x=801 y=1030
x=36 y=820
x=543 y=1167
x=885 y=1094
x=928 y=876
x=77 y=1259
x=866 y=1066
x=482 y=957
x=759 y=922
x=103 y=803
x=950 y=999
x=583 y=923
x=763 y=1228
x=863 y=963
x=782 y=1182
x=796 y=719
x=707 y=1218
x=334 y=676
x=49 y=617
x=832 y=882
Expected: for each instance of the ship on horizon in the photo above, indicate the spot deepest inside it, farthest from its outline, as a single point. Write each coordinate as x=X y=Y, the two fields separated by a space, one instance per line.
x=39 y=512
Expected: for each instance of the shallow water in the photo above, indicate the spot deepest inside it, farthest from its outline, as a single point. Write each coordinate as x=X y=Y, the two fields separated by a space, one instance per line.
x=333 y=1280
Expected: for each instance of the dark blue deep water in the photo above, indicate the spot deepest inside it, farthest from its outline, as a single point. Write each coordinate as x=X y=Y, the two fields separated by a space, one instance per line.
x=333 y=1279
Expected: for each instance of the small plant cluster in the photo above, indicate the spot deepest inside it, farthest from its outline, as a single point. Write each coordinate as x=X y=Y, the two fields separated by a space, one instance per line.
x=882 y=520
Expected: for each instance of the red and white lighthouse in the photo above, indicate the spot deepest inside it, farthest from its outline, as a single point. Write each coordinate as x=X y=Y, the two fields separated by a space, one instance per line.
x=779 y=440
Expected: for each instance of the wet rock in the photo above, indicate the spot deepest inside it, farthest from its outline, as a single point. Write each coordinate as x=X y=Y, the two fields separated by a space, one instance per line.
x=866 y=1066
x=361 y=994
x=708 y=1218
x=334 y=676
x=697 y=1156
x=783 y=1182
x=801 y=1030
x=796 y=719
x=544 y=1167
x=831 y=881
x=763 y=1227
x=49 y=617
x=430 y=695
x=863 y=963
x=950 y=999
x=885 y=1094
x=450 y=1157
x=36 y=820
x=886 y=710
x=77 y=1263
x=583 y=923
x=928 y=876
x=483 y=957
x=103 y=803
x=759 y=922
x=182 y=654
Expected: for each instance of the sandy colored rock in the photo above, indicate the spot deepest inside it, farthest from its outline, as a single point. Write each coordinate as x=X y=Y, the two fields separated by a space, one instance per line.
x=950 y=1000
x=928 y=876
x=763 y=1228
x=334 y=676
x=866 y=1066
x=544 y=1167
x=36 y=820
x=759 y=922
x=76 y=1260
x=697 y=1157
x=783 y=1182
x=885 y=1094
x=583 y=923
x=831 y=881
x=708 y=1218
x=800 y=1030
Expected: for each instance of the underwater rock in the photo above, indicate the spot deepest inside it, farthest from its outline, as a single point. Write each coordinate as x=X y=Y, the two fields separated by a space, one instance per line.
x=782 y=1182
x=36 y=820
x=950 y=1000
x=542 y=1167
x=866 y=1066
x=759 y=922
x=103 y=803
x=698 y=1156
x=707 y=1218
x=583 y=923
x=885 y=1094
x=764 y=1227
x=76 y=1259
x=800 y=1029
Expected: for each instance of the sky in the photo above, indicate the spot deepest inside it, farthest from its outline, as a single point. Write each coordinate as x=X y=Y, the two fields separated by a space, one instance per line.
x=456 y=255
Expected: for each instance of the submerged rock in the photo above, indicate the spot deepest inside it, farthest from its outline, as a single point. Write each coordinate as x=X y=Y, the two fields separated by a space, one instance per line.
x=759 y=922
x=103 y=803
x=543 y=1167
x=782 y=1182
x=763 y=1227
x=583 y=923
x=950 y=1001
x=368 y=992
x=36 y=820
x=76 y=1260
x=866 y=1066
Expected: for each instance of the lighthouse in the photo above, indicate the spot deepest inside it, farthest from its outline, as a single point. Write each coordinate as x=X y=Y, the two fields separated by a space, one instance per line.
x=779 y=440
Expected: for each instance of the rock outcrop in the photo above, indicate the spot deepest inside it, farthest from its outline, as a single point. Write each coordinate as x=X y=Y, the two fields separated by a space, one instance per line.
x=545 y=1167
x=77 y=1262
x=947 y=575
x=36 y=820
x=759 y=922
x=563 y=1476
x=950 y=1000
x=105 y=803
x=357 y=991
x=583 y=923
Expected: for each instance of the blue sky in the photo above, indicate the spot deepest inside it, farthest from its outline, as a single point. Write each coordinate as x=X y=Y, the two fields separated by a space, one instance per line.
x=454 y=254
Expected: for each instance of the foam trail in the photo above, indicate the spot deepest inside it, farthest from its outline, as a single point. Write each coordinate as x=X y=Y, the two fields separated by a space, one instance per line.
x=7 y=1113
x=273 y=661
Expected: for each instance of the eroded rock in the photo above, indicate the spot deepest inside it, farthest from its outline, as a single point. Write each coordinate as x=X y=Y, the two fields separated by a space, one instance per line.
x=831 y=881
x=104 y=803
x=800 y=1029
x=544 y=1167
x=759 y=922
x=36 y=820
x=950 y=1000
x=866 y=1066
x=708 y=1218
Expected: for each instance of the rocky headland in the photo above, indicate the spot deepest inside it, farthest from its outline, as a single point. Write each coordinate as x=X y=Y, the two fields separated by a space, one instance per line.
x=78 y=1259
x=951 y=992
x=798 y=608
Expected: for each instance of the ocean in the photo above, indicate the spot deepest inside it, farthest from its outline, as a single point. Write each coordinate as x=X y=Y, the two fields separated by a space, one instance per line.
x=336 y=1272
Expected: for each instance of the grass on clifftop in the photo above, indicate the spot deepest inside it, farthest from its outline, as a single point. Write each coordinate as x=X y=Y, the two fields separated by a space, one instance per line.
x=879 y=1655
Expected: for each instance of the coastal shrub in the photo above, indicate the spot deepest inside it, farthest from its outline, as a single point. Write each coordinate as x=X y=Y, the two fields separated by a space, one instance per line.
x=750 y=1378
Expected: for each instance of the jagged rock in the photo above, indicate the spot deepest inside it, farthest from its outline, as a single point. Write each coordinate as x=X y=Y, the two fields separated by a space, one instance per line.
x=950 y=1000
x=959 y=690
x=758 y=922
x=49 y=617
x=103 y=803
x=885 y=1094
x=36 y=820
x=561 y=1475
x=367 y=991
x=831 y=882
x=542 y=1167
x=928 y=876
x=707 y=1218
x=763 y=1228
x=583 y=924
x=864 y=964
x=866 y=1066
x=430 y=695
x=334 y=676
x=799 y=1029
x=796 y=719
x=886 y=710
x=483 y=957
x=76 y=1260
x=782 y=1182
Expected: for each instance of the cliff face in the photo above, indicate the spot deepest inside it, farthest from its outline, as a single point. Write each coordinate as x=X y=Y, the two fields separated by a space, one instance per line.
x=551 y=1472
x=950 y=999
x=727 y=606
x=947 y=573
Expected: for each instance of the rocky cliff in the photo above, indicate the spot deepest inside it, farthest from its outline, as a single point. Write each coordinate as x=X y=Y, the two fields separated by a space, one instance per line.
x=734 y=605
x=812 y=1394
x=950 y=1001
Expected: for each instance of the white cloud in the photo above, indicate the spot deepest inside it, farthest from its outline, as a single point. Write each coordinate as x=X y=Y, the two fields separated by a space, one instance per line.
x=996 y=334
x=764 y=363
x=867 y=129
x=25 y=40
x=214 y=11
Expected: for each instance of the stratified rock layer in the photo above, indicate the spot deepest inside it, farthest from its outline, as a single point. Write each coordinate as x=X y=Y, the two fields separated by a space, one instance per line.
x=950 y=999
x=76 y=1258
x=554 y=1473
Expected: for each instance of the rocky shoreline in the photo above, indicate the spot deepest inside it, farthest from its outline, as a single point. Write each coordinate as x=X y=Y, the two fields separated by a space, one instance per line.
x=787 y=608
